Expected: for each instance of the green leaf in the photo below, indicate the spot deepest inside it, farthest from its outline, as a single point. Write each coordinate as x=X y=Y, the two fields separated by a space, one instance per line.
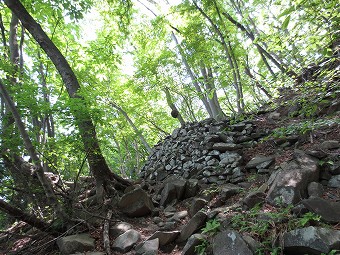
x=285 y=23
x=287 y=11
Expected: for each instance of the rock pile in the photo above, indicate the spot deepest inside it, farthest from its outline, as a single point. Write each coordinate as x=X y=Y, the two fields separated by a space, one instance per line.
x=178 y=199
x=209 y=151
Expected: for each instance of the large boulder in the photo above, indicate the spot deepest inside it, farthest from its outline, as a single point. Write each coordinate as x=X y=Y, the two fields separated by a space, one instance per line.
x=126 y=241
x=193 y=225
x=149 y=247
x=230 y=242
x=311 y=240
x=75 y=243
x=173 y=191
x=136 y=203
x=164 y=237
x=328 y=210
x=290 y=183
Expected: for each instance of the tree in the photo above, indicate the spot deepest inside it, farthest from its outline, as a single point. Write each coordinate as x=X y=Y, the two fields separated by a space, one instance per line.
x=87 y=130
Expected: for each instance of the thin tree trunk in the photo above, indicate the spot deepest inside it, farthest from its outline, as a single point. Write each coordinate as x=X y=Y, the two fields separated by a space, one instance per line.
x=261 y=50
x=207 y=74
x=237 y=82
x=139 y=133
x=173 y=106
x=28 y=218
x=96 y=160
x=192 y=76
x=46 y=184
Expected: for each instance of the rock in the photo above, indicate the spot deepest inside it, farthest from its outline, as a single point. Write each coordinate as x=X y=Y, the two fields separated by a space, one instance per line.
x=315 y=189
x=334 y=169
x=136 y=203
x=223 y=147
x=328 y=210
x=229 y=158
x=149 y=247
x=260 y=161
x=126 y=241
x=193 y=241
x=252 y=243
x=311 y=240
x=173 y=191
x=119 y=228
x=75 y=243
x=230 y=242
x=254 y=198
x=330 y=145
x=196 y=205
x=228 y=190
x=194 y=224
x=191 y=188
x=165 y=237
x=334 y=182
x=290 y=184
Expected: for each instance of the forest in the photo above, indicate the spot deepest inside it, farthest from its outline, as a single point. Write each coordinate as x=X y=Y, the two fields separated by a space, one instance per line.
x=92 y=91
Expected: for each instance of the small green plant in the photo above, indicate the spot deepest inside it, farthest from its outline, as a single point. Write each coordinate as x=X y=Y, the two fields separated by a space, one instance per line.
x=309 y=217
x=211 y=227
x=201 y=248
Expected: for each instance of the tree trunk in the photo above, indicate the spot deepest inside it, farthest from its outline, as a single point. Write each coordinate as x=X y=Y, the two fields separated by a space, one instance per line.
x=139 y=133
x=28 y=218
x=46 y=184
x=227 y=50
x=96 y=160
x=216 y=109
x=173 y=107
x=192 y=77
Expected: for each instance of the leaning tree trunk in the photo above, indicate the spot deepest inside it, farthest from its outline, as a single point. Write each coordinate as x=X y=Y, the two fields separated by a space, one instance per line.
x=46 y=183
x=134 y=127
x=174 y=111
x=96 y=160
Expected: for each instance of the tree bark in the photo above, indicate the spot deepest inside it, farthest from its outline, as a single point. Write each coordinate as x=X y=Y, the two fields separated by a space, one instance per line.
x=97 y=162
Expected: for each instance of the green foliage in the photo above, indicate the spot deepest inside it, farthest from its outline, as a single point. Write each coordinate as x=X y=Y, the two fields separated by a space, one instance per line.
x=211 y=227
x=201 y=248
x=309 y=218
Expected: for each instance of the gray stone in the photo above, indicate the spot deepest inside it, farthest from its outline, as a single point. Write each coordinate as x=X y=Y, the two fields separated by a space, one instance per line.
x=191 y=188
x=126 y=241
x=330 y=145
x=328 y=210
x=315 y=189
x=311 y=240
x=193 y=225
x=229 y=158
x=75 y=243
x=290 y=183
x=230 y=242
x=119 y=228
x=193 y=241
x=228 y=190
x=254 y=198
x=223 y=147
x=136 y=203
x=196 y=205
x=261 y=161
x=173 y=191
x=334 y=182
x=148 y=247
x=334 y=169
x=165 y=237
x=252 y=243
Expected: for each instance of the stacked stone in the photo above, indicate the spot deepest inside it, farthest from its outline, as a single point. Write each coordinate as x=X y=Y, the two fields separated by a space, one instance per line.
x=209 y=150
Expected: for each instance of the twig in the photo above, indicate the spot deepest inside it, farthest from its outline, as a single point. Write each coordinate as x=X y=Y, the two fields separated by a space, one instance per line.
x=106 y=236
